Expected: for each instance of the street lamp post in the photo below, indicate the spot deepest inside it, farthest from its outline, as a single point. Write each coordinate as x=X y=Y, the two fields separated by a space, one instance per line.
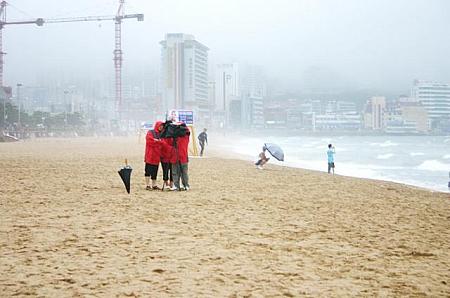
x=65 y=109
x=4 y=112
x=19 y=102
x=226 y=78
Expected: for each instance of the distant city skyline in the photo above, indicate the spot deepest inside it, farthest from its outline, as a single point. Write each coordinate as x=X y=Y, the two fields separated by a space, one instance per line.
x=345 y=45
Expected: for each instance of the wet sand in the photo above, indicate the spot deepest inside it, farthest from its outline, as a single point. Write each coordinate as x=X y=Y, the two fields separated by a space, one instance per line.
x=68 y=228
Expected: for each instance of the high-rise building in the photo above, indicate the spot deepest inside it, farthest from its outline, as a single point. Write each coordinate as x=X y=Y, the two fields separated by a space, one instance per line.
x=378 y=108
x=184 y=77
x=435 y=97
x=374 y=114
x=254 y=90
x=227 y=85
x=254 y=82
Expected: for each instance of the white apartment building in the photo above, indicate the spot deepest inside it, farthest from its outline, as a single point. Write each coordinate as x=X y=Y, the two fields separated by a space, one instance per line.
x=378 y=111
x=435 y=97
x=184 y=74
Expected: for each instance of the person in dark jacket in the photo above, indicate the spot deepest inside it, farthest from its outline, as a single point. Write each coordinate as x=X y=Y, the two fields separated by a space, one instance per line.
x=202 y=138
x=153 y=147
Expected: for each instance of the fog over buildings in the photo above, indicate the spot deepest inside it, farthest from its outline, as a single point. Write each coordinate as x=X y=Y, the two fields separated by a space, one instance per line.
x=347 y=45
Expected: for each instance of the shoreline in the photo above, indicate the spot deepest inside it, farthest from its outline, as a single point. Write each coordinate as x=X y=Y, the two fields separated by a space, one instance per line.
x=220 y=150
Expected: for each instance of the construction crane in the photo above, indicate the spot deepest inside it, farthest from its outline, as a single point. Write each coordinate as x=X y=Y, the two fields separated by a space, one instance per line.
x=3 y=22
x=118 y=53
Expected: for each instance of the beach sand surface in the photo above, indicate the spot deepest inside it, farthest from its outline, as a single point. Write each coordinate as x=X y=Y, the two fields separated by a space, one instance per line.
x=68 y=228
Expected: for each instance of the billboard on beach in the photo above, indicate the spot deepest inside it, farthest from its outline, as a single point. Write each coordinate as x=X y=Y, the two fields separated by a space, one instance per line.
x=185 y=116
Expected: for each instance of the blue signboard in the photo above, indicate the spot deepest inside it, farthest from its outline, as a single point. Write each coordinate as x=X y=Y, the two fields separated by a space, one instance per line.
x=185 y=116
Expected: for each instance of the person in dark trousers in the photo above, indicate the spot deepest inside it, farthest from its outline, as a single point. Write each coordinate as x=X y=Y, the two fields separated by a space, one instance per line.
x=152 y=155
x=202 y=138
x=180 y=162
x=166 y=155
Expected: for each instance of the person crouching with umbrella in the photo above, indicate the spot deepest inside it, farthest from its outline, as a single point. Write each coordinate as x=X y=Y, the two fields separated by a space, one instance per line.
x=152 y=155
x=263 y=159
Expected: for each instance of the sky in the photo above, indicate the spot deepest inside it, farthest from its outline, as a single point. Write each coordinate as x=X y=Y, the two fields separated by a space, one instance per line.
x=377 y=44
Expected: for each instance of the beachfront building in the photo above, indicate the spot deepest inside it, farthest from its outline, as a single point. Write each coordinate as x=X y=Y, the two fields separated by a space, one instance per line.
x=253 y=91
x=374 y=113
x=254 y=81
x=435 y=97
x=227 y=91
x=252 y=113
x=339 y=122
x=378 y=107
x=405 y=115
x=417 y=114
x=227 y=85
x=184 y=74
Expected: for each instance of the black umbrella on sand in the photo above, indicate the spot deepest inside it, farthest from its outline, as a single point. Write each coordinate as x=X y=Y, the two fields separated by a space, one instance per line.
x=275 y=151
x=125 y=174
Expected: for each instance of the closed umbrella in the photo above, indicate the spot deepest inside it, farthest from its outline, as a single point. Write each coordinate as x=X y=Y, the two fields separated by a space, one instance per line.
x=125 y=174
x=275 y=151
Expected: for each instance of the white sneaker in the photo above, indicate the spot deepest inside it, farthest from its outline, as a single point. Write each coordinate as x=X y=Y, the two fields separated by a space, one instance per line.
x=186 y=188
x=259 y=167
x=173 y=188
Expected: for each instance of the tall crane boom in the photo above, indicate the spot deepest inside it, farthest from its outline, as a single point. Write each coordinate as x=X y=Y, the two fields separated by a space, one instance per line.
x=3 y=22
x=138 y=16
x=118 y=54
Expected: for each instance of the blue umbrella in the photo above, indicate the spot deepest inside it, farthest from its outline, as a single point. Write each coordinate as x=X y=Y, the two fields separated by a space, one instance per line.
x=275 y=151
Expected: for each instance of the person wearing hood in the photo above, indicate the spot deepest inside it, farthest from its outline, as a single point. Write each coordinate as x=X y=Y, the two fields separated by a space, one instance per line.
x=152 y=158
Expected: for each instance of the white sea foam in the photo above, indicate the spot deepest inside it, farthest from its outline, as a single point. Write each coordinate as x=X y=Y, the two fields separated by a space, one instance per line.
x=434 y=165
x=446 y=156
x=416 y=153
x=385 y=156
x=387 y=143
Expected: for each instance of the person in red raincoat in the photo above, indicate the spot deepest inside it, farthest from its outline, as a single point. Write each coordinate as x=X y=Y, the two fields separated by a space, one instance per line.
x=179 y=162
x=153 y=146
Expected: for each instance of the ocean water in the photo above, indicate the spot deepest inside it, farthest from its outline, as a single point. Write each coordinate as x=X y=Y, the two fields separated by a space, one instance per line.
x=422 y=161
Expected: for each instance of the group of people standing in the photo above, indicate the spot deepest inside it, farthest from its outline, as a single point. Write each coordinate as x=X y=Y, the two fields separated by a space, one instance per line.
x=172 y=153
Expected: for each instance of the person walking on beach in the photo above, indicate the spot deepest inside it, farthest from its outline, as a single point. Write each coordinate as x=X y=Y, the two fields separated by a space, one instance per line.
x=330 y=154
x=180 y=162
x=202 y=138
x=152 y=155
x=263 y=159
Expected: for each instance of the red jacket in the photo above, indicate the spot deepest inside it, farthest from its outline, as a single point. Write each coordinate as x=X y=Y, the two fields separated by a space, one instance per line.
x=182 y=145
x=167 y=150
x=153 y=145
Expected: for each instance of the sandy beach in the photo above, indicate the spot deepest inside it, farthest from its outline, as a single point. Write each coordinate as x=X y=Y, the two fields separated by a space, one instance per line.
x=68 y=228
